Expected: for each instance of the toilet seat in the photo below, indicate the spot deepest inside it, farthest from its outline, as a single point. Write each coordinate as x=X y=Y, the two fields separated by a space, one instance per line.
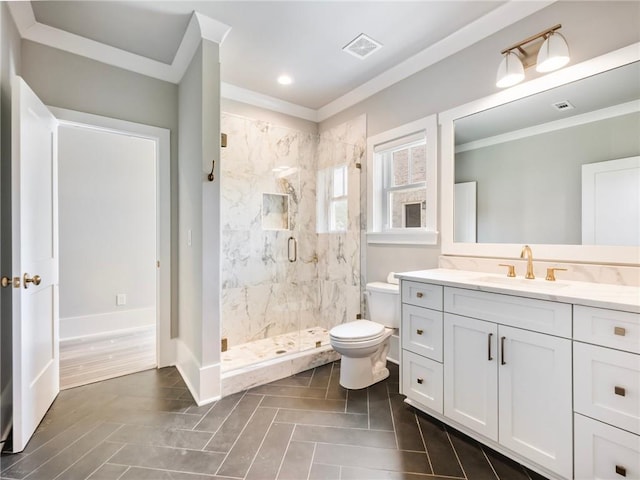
x=357 y=331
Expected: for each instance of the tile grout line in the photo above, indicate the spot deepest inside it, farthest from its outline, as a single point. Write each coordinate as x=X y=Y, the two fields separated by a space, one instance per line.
x=424 y=443
x=224 y=420
x=489 y=462
x=455 y=452
x=239 y=434
x=91 y=429
x=313 y=456
x=107 y=460
x=286 y=450
x=92 y=449
x=393 y=420
x=259 y=446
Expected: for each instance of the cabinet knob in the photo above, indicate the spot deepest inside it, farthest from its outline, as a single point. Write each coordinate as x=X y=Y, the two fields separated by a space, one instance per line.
x=619 y=331
x=419 y=294
x=420 y=380
x=620 y=470
x=619 y=391
x=419 y=331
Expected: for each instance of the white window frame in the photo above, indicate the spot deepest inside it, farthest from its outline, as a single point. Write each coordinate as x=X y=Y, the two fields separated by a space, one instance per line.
x=333 y=199
x=425 y=128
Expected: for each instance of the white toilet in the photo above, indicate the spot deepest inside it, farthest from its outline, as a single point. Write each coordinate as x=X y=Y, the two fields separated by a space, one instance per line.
x=364 y=344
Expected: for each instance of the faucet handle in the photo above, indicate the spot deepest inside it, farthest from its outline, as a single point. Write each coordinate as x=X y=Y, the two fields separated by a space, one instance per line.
x=551 y=273
x=512 y=269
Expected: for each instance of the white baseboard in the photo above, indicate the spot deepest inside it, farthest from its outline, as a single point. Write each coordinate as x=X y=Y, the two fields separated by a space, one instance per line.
x=82 y=326
x=202 y=382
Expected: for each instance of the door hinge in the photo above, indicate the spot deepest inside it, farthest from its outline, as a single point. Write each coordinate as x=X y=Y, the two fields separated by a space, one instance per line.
x=359 y=165
x=158 y=263
x=224 y=345
x=358 y=316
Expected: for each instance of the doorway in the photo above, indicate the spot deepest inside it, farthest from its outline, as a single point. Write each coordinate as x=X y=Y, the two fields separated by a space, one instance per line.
x=109 y=241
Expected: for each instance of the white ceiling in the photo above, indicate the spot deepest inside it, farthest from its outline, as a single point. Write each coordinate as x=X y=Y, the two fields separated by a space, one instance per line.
x=301 y=38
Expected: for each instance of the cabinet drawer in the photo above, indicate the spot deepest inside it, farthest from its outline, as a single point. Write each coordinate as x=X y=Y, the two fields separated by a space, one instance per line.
x=422 y=380
x=607 y=385
x=610 y=328
x=422 y=294
x=538 y=315
x=422 y=331
x=605 y=452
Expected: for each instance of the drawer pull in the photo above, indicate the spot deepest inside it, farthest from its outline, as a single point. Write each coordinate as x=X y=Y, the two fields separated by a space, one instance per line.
x=419 y=294
x=621 y=470
x=502 y=360
x=420 y=380
x=619 y=391
x=419 y=331
x=489 y=356
x=619 y=331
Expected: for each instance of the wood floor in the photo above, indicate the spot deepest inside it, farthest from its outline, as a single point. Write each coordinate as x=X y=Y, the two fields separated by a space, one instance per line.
x=305 y=427
x=100 y=357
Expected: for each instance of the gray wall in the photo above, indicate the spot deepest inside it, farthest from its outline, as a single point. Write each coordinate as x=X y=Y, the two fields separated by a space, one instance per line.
x=591 y=29
x=539 y=179
x=69 y=81
x=10 y=65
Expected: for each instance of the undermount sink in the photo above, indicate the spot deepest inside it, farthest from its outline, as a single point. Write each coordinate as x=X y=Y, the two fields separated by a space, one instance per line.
x=522 y=282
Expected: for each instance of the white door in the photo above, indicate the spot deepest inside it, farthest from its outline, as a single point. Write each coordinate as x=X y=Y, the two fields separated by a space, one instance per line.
x=535 y=397
x=471 y=373
x=34 y=261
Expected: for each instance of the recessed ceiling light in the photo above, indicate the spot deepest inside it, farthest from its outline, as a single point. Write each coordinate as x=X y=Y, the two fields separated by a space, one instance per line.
x=285 y=80
x=362 y=46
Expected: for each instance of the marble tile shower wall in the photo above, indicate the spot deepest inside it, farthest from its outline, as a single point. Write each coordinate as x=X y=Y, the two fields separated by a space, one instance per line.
x=263 y=293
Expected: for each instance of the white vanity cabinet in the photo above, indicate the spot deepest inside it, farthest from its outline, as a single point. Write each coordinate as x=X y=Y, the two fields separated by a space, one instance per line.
x=606 y=368
x=504 y=370
x=510 y=384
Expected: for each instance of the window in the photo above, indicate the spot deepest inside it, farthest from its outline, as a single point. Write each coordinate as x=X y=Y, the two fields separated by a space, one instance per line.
x=402 y=197
x=332 y=199
x=338 y=200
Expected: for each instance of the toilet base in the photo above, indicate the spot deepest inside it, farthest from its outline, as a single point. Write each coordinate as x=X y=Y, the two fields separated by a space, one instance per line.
x=358 y=373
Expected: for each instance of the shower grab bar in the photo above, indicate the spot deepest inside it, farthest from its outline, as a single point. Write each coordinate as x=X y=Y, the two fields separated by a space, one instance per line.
x=295 y=249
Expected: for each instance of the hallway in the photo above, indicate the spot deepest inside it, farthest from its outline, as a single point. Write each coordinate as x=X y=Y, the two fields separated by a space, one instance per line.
x=146 y=426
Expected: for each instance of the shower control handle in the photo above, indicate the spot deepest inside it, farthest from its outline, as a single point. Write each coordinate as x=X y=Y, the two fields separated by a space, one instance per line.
x=292 y=253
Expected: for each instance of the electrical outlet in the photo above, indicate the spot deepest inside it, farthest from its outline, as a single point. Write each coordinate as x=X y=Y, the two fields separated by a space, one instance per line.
x=121 y=299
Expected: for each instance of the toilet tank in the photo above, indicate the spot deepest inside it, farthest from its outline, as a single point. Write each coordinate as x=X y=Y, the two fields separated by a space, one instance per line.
x=384 y=303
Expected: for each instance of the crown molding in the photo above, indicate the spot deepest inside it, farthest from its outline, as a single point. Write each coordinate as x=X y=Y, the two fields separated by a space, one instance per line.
x=481 y=28
x=203 y=27
x=199 y=27
x=233 y=92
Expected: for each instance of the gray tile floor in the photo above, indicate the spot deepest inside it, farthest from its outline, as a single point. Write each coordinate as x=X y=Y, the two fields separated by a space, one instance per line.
x=145 y=426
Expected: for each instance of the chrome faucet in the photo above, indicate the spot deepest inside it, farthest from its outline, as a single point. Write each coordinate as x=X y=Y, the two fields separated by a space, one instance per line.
x=526 y=250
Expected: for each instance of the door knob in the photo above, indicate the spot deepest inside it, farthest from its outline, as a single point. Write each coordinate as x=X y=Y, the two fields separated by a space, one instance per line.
x=27 y=280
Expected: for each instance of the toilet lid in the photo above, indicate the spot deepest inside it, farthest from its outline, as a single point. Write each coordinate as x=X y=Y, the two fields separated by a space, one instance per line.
x=359 y=330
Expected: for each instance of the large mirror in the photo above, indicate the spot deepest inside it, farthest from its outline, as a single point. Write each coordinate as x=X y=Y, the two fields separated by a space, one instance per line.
x=553 y=163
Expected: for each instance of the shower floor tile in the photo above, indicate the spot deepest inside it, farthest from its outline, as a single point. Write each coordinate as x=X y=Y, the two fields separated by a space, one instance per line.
x=239 y=356
x=124 y=429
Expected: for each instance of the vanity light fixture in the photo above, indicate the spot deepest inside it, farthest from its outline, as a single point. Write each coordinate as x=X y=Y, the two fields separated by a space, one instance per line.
x=547 y=50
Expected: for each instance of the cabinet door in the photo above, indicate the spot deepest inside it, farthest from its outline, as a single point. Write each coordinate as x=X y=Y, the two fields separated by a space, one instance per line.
x=470 y=373
x=535 y=397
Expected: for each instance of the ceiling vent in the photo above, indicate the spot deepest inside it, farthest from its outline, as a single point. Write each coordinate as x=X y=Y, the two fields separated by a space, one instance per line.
x=362 y=46
x=563 y=105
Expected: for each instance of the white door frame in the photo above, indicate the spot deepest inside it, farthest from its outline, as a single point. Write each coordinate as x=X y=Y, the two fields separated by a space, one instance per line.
x=161 y=136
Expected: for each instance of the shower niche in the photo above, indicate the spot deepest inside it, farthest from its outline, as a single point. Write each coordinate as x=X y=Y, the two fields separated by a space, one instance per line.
x=275 y=211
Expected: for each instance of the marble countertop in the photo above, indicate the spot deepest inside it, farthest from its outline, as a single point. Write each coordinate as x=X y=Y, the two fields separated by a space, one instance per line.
x=601 y=295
